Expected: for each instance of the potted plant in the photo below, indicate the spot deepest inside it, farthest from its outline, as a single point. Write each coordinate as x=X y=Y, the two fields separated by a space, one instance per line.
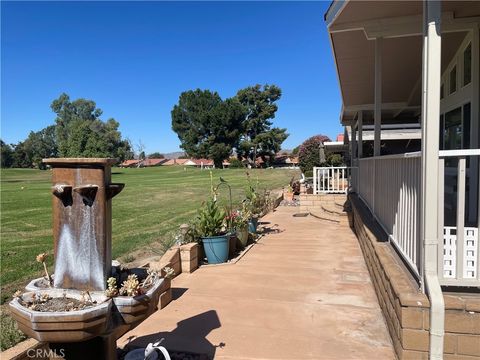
x=250 y=204
x=257 y=204
x=210 y=227
x=242 y=224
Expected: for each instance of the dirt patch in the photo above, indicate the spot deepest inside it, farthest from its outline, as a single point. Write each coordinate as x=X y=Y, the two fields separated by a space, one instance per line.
x=57 y=304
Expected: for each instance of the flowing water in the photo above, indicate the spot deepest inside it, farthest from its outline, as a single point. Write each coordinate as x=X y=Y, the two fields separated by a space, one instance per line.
x=77 y=257
x=78 y=263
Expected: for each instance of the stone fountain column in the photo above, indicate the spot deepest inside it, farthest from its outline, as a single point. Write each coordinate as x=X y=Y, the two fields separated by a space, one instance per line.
x=82 y=233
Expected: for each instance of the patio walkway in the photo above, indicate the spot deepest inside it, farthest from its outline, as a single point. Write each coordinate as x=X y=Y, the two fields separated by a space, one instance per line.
x=302 y=292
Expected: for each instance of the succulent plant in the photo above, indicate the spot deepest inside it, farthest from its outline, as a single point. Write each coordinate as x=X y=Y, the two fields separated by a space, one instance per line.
x=112 y=290
x=131 y=286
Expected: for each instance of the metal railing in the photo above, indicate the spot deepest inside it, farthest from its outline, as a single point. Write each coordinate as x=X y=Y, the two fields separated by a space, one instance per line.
x=331 y=180
x=390 y=187
x=459 y=257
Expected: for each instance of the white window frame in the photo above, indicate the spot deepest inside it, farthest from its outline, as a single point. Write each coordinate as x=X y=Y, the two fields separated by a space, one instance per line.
x=463 y=94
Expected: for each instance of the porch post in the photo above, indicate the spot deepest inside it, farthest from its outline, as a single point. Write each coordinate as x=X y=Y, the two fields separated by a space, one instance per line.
x=354 y=142
x=360 y=134
x=354 y=160
x=378 y=96
x=431 y=76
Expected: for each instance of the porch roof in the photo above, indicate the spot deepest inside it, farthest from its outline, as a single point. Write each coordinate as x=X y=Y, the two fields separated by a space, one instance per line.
x=353 y=25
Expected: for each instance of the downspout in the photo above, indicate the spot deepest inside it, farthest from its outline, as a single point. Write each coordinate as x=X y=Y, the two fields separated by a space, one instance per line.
x=430 y=147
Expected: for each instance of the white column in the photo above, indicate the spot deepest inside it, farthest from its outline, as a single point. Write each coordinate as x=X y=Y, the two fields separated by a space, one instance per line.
x=354 y=160
x=354 y=143
x=360 y=134
x=378 y=96
x=431 y=72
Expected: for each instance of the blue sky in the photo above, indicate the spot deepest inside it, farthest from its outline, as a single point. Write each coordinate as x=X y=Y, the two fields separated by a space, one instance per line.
x=135 y=58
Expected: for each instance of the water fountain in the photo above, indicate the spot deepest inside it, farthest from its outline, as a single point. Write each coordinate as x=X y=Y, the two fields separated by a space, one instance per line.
x=75 y=313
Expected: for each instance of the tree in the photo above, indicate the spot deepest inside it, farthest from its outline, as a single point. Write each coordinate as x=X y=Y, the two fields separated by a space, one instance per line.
x=309 y=153
x=156 y=155
x=207 y=126
x=6 y=155
x=37 y=146
x=258 y=137
x=81 y=133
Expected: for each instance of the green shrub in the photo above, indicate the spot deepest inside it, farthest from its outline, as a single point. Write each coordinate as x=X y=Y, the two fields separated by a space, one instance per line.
x=236 y=164
x=309 y=152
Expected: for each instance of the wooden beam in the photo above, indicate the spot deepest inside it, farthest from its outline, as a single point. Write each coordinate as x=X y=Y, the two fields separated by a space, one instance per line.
x=385 y=106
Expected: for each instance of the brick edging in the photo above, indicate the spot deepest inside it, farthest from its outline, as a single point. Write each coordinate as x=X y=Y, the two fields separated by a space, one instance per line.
x=406 y=309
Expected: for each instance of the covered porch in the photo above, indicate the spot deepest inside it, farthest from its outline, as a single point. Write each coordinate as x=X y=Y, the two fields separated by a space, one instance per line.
x=396 y=73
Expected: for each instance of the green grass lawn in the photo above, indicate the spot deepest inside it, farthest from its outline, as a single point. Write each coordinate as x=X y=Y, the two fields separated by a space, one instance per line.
x=153 y=204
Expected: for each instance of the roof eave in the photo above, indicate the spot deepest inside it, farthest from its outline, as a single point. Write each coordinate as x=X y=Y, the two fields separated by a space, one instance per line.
x=334 y=10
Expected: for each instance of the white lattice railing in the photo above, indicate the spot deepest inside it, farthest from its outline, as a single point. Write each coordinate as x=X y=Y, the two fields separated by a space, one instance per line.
x=469 y=256
x=390 y=187
x=330 y=180
x=459 y=257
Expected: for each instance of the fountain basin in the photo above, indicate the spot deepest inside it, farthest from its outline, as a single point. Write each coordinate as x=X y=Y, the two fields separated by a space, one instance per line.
x=134 y=309
x=62 y=326
x=38 y=284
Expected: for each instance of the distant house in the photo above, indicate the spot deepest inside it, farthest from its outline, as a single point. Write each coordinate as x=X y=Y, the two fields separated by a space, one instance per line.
x=285 y=161
x=203 y=163
x=184 y=162
x=169 y=162
x=130 y=163
x=153 y=162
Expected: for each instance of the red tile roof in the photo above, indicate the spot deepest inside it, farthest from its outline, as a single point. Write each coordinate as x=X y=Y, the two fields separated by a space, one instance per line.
x=153 y=162
x=204 y=162
x=128 y=163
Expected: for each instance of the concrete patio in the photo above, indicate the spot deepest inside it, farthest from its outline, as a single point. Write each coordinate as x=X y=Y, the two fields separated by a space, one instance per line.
x=302 y=292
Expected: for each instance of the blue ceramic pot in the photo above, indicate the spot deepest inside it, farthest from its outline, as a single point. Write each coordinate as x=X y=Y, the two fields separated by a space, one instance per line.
x=216 y=248
x=252 y=225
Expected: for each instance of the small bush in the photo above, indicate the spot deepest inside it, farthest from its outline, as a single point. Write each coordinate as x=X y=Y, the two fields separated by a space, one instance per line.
x=10 y=335
x=236 y=164
x=128 y=258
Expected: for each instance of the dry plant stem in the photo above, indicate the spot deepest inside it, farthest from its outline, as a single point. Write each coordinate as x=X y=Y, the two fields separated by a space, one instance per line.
x=49 y=278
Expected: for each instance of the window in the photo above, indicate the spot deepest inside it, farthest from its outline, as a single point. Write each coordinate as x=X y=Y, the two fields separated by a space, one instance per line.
x=442 y=92
x=453 y=80
x=453 y=129
x=467 y=65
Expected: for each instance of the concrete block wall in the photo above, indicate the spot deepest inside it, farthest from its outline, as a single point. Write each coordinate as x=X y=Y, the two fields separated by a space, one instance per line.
x=406 y=309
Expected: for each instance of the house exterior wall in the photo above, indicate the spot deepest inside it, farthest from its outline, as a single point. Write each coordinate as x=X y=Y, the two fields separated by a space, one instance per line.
x=405 y=308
